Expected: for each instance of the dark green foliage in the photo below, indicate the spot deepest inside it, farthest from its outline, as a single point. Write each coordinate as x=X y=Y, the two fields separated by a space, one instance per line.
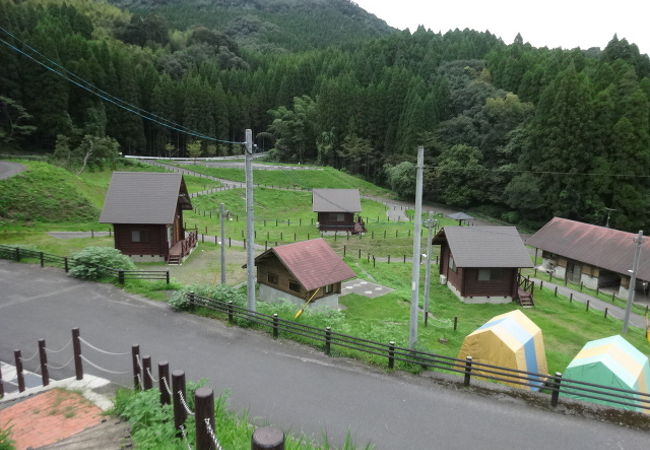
x=92 y=263
x=179 y=300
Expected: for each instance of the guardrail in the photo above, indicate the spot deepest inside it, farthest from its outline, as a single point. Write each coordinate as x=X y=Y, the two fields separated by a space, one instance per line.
x=553 y=385
x=66 y=263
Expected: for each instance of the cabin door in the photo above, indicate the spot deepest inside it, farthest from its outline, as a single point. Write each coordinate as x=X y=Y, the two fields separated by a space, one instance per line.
x=573 y=272
x=177 y=229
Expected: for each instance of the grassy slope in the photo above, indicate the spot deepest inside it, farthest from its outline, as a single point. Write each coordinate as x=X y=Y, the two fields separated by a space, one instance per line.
x=327 y=177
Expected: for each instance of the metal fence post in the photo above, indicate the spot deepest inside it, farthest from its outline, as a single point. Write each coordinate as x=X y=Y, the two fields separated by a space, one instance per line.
x=135 y=354
x=275 y=326
x=41 y=258
x=391 y=355
x=146 y=376
x=587 y=309
x=178 y=386
x=230 y=312
x=42 y=354
x=328 y=340
x=555 y=395
x=76 y=346
x=17 y=254
x=204 y=404
x=163 y=382
x=267 y=438
x=167 y=276
x=19 y=370
x=468 y=370
x=65 y=264
x=120 y=276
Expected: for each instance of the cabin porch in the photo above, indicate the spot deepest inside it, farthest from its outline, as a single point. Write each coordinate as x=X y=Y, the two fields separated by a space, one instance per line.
x=182 y=248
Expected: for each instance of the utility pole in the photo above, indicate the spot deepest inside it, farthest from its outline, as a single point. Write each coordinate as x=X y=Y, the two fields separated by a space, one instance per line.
x=223 y=244
x=415 y=275
x=632 y=287
x=430 y=222
x=250 y=233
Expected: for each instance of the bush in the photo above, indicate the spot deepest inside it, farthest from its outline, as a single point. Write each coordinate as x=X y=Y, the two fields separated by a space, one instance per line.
x=93 y=263
x=179 y=301
x=6 y=443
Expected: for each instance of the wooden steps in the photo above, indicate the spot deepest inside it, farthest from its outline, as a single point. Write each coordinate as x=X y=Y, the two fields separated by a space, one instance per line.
x=525 y=298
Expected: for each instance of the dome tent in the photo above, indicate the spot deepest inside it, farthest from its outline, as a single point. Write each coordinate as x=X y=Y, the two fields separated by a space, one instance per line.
x=612 y=362
x=509 y=340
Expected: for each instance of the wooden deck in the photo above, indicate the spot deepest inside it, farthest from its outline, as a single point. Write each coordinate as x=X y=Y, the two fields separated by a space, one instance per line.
x=181 y=249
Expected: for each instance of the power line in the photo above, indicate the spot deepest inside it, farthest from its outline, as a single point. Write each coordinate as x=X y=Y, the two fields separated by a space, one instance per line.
x=116 y=101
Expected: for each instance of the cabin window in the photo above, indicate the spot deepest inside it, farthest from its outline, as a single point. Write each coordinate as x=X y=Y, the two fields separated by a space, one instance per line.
x=340 y=217
x=294 y=286
x=490 y=274
x=272 y=278
x=452 y=263
x=329 y=288
x=139 y=236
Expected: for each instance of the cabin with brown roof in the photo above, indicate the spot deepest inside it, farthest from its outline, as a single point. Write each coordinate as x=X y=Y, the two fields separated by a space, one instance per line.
x=146 y=211
x=300 y=272
x=481 y=264
x=594 y=256
x=336 y=209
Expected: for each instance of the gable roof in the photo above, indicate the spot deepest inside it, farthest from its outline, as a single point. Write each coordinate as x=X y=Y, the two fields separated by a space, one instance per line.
x=144 y=198
x=592 y=244
x=488 y=246
x=460 y=216
x=336 y=200
x=313 y=263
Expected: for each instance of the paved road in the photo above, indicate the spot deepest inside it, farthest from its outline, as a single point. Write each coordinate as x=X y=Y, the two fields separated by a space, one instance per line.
x=8 y=169
x=289 y=385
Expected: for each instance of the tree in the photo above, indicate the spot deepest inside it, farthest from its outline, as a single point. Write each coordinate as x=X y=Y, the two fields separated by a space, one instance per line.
x=401 y=178
x=13 y=121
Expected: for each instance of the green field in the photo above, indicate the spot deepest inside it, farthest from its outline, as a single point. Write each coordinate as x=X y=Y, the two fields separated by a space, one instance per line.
x=326 y=177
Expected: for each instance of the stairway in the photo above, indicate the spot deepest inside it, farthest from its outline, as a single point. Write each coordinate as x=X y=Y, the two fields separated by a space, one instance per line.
x=525 y=298
x=174 y=259
x=111 y=434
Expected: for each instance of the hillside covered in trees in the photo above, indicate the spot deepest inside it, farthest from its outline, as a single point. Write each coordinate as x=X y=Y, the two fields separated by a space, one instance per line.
x=522 y=133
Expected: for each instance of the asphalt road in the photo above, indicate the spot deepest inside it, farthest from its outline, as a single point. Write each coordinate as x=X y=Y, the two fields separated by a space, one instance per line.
x=8 y=169
x=282 y=383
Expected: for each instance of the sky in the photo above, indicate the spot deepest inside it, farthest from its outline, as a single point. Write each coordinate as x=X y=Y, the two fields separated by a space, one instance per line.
x=550 y=23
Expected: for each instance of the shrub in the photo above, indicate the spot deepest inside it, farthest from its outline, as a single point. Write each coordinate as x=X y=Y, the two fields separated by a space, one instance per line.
x=94 y=262
x=179 y=300
x=6 y=443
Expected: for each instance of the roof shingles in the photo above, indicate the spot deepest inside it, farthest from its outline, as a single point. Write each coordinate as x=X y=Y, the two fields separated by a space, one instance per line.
x=313 y=263
x=142 y=198
x=488 y=246
x=336 y=200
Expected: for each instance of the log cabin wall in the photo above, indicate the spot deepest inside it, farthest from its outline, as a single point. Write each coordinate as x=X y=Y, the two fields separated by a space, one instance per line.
x=501 y=283
x=152 y=239
x=330 y=221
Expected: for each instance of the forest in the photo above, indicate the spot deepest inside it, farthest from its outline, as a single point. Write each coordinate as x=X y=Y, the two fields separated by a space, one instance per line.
x=516 y=132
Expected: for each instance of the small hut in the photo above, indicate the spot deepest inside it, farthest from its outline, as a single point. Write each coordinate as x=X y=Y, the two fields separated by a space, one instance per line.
x=481 y=264
x=336 y=209
x=146 y=211
x=612 y=362
x=300 y=272
x=509 y=340
x=460 y=217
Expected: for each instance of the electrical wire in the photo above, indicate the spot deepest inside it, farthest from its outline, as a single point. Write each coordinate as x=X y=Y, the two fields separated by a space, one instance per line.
x=119 y=103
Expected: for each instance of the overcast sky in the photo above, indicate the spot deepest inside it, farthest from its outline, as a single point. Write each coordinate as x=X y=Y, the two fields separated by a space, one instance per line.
x=551 y=23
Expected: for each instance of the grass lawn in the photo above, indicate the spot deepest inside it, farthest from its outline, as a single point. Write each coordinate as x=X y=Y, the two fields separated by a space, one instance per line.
x=566 y=327
x=325 y=177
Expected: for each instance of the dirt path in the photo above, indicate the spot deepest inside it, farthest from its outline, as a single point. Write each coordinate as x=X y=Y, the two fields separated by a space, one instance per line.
x=9 y=169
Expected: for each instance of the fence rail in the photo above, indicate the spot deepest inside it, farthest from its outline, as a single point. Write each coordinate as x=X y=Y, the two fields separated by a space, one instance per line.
x=66 y=263
x=553 y=385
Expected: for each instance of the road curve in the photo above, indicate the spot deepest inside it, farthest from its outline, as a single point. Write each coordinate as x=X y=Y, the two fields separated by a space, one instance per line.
x=9 y=169
x=281 y=382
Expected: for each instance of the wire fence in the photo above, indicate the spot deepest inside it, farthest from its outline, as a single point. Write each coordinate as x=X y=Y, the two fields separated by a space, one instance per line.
x=19 y=254
x=327 y=339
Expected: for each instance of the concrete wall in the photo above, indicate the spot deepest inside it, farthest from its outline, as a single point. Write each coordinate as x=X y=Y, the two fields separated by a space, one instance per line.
x=147 y=258
x=589 y=281
x=477 y=300
x=272 y=295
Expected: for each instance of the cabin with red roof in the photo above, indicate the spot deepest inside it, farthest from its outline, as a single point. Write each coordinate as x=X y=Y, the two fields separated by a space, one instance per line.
x=300 y=272
x=596 y=257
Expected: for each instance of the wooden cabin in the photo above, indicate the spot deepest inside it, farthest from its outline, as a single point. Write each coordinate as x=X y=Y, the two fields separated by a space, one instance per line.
x=336 y=209
x=146 y=211
x=481 y=264
x=302 y=271
x=594 y=256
